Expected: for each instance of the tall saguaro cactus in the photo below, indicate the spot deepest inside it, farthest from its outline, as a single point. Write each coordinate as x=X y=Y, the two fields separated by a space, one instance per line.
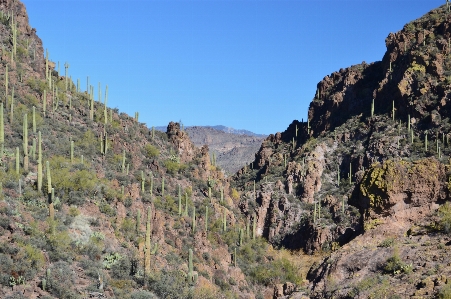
x=192 y=277
x=66 y=66
x=17 y=161
x=25 y=143
x=50 y=190
x=148 y=249
x=123 y=161
x=372 y=108
x=12 y=107
x=180 y=202
x=39 y=162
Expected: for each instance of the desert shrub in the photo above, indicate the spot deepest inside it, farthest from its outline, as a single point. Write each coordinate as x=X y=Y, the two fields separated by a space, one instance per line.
x=445 y=217
x=6 y=267
x=445 y=292
x=220 y=278
x=151 y=151
x=105 y=208
x=394 y=265
x=121 y=269
x=59 y=245
x=128 y=228
x=389 y=242
x=76 y=198
x=4 y=222
x=66 y=179
x=170 y=284
x=16 y=295
x=61 y=276
x=143 y=295
x=173 y=167
x=111 y=259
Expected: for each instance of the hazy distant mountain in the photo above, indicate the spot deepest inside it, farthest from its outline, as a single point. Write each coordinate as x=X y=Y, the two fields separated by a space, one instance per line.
x=221 y=128
x=234 y=148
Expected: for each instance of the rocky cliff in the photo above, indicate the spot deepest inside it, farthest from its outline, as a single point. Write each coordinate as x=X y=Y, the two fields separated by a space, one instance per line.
x=365 y=180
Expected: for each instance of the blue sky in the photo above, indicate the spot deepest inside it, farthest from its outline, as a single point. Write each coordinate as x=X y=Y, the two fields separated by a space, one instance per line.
x=244 y=64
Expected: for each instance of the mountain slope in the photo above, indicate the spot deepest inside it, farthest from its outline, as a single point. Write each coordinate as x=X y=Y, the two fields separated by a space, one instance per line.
x=366 y=183
x=96 y=205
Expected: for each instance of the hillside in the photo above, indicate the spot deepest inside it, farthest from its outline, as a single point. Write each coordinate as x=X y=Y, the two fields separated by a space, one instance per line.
x=232 y=150
x=96 y=205
x=353 y=203
x=365 y=181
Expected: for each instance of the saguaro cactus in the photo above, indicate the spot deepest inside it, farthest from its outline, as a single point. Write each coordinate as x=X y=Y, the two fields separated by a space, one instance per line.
x=123 y=161
x=426 y=140
x=143 y=178
x=72 y=152
x=39 y=162
x=408 y=123
x=254 y=226
x=224 y=221
x=50 y=191
x=192 y=277
x=6 y=80
x=25 y=143
x=12 y=107
x=66 y=66
x=372 y=108
x=17 y=161
x=393 y=107
x=148 y=249
x=34 y=119
x=186 y=205
x=180 y=202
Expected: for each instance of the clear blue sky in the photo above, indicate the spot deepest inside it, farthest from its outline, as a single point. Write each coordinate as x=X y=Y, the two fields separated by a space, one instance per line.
x=245 y=64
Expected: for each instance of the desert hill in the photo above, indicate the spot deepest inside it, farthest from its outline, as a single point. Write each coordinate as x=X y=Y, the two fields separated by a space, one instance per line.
x=95 y=204
x=353 y=203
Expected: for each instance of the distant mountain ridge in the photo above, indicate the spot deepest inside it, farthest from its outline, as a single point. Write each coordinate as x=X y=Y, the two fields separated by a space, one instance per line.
x=233 y=150
x=221 y=128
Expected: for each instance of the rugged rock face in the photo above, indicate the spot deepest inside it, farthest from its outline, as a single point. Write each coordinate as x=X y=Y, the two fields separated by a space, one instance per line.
x=365 y=176
x=180 y=139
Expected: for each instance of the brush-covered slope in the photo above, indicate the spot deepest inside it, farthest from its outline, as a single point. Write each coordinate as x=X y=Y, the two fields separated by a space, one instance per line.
x=95 y=205
x=367 y=185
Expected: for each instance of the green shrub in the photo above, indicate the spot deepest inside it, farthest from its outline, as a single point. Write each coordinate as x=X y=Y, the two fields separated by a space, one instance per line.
x=105 y=208
x=170 y=284
x=61 y=276
x=394 y=265
x=387 y=242
x=445 y=292
x=445 y=217
x=174 y=167
x=151 y=151
x=143 y=295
